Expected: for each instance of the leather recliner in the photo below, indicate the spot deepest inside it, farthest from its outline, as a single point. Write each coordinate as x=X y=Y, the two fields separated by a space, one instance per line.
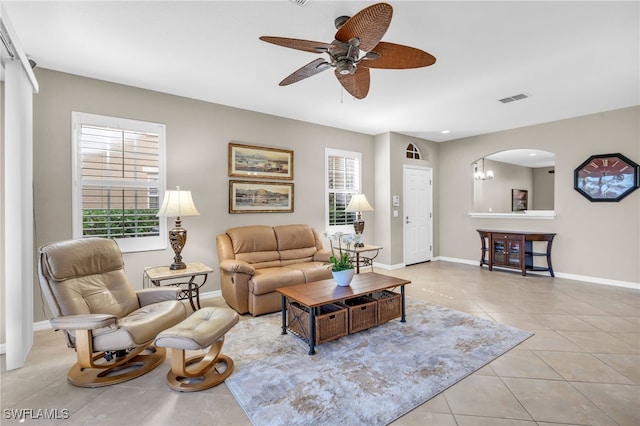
x=111 y=325
x=257 y=259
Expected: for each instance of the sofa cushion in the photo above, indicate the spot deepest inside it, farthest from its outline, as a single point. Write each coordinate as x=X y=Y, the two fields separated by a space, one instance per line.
x=313 y=271
x=295 y=242
x=256 y=245
x=294 y=236
x=266 y=280
x=297 y=255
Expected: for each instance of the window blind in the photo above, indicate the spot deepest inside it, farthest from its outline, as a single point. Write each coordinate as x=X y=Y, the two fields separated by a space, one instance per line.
x=119 y=177
x=343 y=174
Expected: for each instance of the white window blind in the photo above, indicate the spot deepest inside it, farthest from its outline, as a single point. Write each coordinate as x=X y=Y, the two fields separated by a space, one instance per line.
x=343 y=180
x=119 y=179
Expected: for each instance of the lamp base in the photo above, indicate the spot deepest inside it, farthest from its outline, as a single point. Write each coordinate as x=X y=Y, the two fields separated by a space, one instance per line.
x=178 y=239
x=358 y=226
x=178 y=265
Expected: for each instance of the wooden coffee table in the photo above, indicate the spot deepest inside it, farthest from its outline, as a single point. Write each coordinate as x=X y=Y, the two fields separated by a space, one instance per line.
x=315 y=294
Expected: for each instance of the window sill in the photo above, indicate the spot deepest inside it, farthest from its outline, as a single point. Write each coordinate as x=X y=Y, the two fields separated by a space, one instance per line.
x=527 y=214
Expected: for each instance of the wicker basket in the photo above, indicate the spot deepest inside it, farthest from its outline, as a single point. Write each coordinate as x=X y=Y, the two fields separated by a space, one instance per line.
x=389 y=305
x=363 y=313
x=331 y=322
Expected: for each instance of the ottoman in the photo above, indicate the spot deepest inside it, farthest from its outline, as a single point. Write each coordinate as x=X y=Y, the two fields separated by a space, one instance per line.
x=204 y=328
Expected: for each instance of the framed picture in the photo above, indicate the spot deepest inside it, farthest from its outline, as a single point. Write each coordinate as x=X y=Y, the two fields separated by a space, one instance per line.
x=260 y=197
x=519 y=200
x=260 y=162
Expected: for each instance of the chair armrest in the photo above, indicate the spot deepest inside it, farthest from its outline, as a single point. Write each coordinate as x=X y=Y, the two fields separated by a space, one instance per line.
x=149 y=296
x=233 y=265
x=322 y=256
x=83 y=322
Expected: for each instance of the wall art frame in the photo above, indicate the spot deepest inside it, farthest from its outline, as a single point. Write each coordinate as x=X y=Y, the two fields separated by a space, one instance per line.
x=260 y=162
x=606 y=177
x=519 y=200
x=247 y=196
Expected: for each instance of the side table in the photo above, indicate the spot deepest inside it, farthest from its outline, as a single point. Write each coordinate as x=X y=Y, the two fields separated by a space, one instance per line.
x=178 y=278
x=363 y=260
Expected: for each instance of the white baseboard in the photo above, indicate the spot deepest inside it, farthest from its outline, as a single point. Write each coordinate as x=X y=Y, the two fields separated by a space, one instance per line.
x=564 y=275
x=388 y=267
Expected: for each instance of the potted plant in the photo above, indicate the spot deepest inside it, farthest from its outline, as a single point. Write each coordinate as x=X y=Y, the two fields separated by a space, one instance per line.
x=340 y=261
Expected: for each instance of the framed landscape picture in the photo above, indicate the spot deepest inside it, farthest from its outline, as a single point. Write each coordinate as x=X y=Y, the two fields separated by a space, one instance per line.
x=519 y=200
x=260 y=162
x=260 y=197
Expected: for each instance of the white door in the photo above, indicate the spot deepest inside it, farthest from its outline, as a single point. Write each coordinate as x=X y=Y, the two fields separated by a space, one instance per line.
x=418 y=215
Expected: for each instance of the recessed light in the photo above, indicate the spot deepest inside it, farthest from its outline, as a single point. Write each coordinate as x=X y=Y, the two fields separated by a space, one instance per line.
x=532 y=154
x=444 y=132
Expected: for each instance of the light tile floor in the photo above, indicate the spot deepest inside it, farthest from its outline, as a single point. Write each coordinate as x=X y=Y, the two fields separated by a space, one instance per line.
x=582 y=367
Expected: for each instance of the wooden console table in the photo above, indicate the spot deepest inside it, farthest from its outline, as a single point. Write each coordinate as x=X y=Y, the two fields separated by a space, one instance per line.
x=515 y=250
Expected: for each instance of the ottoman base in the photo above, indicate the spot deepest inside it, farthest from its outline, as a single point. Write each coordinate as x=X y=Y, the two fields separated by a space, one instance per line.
x=205 y=328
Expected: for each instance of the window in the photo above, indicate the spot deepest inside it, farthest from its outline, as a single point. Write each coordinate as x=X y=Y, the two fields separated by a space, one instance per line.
x=413 y=151
x=343 y=177
x=119 y=178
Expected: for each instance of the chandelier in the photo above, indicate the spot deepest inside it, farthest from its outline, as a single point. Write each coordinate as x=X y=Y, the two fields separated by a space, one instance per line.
x=479 y=173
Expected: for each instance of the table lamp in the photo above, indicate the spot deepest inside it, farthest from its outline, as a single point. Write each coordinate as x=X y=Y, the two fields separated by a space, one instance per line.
x=177 y=204
x=359 y=204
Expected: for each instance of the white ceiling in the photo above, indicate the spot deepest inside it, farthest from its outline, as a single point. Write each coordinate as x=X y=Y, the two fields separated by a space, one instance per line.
x=525 y=157
x=572 y=58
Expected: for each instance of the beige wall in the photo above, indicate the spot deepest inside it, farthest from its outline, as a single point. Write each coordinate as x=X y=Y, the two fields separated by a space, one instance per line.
x=198 y=134
x=494 y=195
x=390 y=157
x=543 y=188
x=600 y=240
x=589 y=239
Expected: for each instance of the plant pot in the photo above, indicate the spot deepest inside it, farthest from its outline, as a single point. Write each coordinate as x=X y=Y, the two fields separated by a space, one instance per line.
x=343 y=278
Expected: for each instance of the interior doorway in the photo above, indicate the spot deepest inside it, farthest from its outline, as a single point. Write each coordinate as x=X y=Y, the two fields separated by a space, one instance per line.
x=418 y=214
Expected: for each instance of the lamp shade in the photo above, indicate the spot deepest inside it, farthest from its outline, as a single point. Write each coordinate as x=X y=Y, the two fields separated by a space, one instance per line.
x=359 y=203
x=177 y=204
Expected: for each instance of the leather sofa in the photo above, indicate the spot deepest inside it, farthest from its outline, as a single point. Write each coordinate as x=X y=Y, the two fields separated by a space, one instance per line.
x=255 y=260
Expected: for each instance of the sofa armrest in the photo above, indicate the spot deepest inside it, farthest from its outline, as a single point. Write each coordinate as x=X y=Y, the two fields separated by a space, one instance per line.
x=149 y=296
x=233 y=265
x=83 y=322
x=322 y=256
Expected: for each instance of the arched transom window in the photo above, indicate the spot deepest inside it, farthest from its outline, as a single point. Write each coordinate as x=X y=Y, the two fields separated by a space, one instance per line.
x=413 y=152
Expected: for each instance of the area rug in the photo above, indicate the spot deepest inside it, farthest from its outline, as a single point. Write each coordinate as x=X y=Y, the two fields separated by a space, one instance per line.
x=368 y=378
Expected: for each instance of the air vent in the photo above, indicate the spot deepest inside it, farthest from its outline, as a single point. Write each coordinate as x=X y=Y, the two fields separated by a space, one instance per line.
x=514 y=98
x=300 y=2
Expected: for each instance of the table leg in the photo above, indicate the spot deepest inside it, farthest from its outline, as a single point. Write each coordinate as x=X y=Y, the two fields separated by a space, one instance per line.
x=284 y=315
x=404 y=318
x=312 y=331
x=357 y=262
x=193 y=288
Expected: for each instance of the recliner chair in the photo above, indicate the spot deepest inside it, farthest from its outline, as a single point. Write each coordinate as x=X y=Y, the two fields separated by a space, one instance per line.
x=111 y=325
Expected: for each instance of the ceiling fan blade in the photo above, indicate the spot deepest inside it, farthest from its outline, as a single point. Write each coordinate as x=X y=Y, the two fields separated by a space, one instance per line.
x=356 y=84
x=398 y=56
x=312 y=68
x=369 y=25
x=294 y=43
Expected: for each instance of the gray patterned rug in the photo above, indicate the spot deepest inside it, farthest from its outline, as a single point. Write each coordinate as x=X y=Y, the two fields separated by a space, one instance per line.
x=369 y=378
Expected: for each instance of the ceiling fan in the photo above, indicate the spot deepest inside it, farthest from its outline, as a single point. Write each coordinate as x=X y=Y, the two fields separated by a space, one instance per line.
x=356 y=49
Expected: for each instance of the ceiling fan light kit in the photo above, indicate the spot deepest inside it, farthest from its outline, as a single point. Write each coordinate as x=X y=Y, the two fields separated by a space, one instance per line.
x=357 y=48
